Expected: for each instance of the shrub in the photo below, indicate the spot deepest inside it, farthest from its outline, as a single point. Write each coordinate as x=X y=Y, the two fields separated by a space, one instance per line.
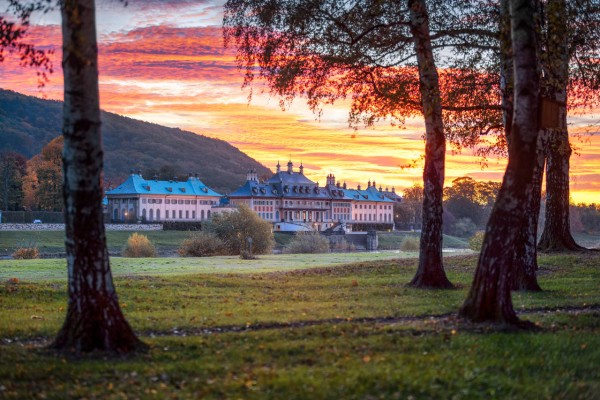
x=26 y=253
x=246 y=255
x=465 y=227
x=202 y=244
x=342 y=245
x=236 y=227
x=410 y=243
x=138 y=246
x=307 y=242
x=476 y=241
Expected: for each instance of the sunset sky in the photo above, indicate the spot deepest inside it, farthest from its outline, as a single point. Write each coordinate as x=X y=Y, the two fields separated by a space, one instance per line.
x=164 y=62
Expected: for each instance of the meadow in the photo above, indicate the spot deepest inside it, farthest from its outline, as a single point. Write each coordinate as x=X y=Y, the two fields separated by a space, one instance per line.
x=305 y=326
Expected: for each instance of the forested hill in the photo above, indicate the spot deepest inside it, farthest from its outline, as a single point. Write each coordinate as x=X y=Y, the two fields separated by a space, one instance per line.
x=28 y=123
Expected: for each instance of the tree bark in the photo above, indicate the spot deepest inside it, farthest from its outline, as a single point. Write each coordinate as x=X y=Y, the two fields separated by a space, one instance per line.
x=525 y=256
x=489 y=298
x=430 y=273
x=556 y=235
x=94 y=319
x=525 y=260
x=557 y=228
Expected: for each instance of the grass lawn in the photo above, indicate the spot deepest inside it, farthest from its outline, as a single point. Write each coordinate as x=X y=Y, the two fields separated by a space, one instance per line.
x=167 y=242
x=287 y=327
x=54 y=241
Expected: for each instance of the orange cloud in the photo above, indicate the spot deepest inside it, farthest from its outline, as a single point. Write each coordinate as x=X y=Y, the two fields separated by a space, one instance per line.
x=183 y=77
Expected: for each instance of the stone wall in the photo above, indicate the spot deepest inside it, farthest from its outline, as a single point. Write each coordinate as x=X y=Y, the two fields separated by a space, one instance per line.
x=61 y=227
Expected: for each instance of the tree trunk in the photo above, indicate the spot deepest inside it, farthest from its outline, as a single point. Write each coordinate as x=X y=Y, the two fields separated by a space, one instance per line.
x=489 y=298
x=557 y=228
x=94 y=319
x=525 y=261
x=525 y=258
x=430 y=273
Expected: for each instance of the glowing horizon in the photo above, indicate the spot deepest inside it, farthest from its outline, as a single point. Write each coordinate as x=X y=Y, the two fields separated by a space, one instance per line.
x=176 y=72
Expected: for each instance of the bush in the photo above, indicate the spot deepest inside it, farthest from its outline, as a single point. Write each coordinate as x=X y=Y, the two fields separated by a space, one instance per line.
x=26 y=253
x=464 y=227
x=410 y=243
x=307 y=242
x=235 y=228
x=202 y=244
x=138 y=246
x=246 y=255
x=342 y=245
x=476 y=241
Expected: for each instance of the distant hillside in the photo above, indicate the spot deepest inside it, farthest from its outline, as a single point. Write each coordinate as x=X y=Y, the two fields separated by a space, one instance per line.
x=28 y=123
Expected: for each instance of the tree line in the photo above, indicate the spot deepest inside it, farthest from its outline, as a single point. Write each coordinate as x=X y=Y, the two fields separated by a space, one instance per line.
x=468 y=204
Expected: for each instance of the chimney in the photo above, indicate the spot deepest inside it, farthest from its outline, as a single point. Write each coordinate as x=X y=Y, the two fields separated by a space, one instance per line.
x=358 y=188
x=290 y=167
x=344 y=185
x=278 y=167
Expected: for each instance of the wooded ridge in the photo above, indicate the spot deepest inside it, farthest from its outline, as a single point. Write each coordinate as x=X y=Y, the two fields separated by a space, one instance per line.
x=28 y=123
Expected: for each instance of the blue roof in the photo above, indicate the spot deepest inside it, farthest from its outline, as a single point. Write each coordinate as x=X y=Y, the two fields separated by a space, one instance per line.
x=136 y=184
x=369 y=194
x=296 y=185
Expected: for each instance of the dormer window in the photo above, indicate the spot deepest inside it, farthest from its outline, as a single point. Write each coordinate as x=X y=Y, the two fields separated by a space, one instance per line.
x=182 y=189
x=254 y=190
x=169 y=189
x=263 y=191
x=205 y=190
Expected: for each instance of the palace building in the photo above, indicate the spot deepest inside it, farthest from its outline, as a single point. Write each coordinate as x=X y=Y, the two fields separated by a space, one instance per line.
x=139 y=199
x=288 y=199
x=292 y=202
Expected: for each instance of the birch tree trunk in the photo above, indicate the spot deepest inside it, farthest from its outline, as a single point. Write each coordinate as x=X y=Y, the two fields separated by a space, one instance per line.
x=94 y=319
x=557 y=229
x=489 y=298
x=430 y=273
x=525 y=255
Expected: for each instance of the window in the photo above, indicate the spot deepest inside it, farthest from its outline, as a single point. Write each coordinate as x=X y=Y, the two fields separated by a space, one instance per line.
x=187 y=202
x=167 y=214
x=187 y=214
x=167 y=201
x=143 y=201
x=157 y=214
x=180 y=213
